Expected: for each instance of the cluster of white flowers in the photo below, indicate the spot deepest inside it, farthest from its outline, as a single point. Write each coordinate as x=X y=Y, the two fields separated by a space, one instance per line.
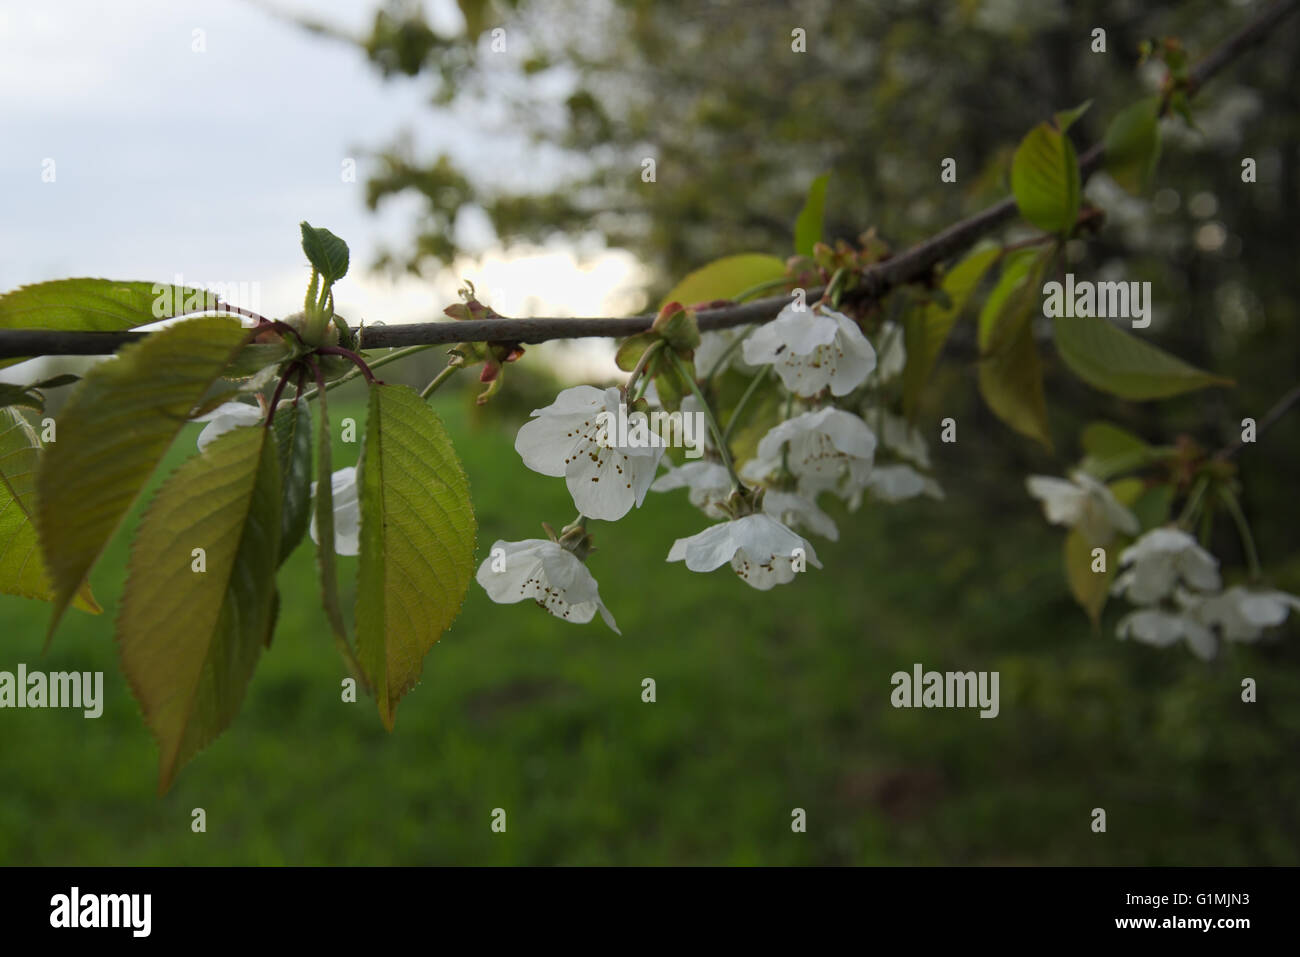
x=818 y=354
x=1180 y=595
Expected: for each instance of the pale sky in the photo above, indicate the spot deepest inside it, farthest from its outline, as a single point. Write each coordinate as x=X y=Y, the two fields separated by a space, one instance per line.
x=175 y=152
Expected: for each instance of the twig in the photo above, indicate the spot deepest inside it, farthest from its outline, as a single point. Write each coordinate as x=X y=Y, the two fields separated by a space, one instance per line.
x=911 y=265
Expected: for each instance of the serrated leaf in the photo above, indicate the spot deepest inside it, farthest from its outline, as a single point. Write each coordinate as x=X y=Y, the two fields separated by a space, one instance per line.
x=1011 y=302
x=325 y=251
x=1112 y=360
x=928 y=329
x=1011 y=382
x=22 y=569
x=97 y=305
x=417 y=542
x=293 y=444
x=808 y=226
x=189 y=640
x=111 y=435
x=1045 y=179
x=725 y=278
x=1132 y=145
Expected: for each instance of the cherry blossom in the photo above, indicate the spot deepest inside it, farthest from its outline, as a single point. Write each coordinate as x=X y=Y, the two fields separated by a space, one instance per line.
x=546 y=572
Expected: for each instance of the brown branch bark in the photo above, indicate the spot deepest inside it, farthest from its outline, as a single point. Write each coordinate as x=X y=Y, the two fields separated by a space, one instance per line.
x=911 y=265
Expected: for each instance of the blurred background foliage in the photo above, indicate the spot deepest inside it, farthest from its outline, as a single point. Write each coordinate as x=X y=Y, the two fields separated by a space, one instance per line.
x=768 y=702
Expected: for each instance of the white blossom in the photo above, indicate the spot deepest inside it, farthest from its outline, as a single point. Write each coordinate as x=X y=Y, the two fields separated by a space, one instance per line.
x=1154 y=626
x=901 y=437
x=709 y=484
x=1160 y=559
x=797 y=511
x=347 y=512
x=1239 y=613
x=826 y=449
x=714 y=345
x=546 y=572
x=760 y=549
x=811 y=349
x=566 y=439
x=898 y=482
x=225 y=418
x=1083 y=503
x=890 y=351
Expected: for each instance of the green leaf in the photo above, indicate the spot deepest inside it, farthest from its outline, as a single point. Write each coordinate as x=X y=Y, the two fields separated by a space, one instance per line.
x=808 y=227
x=1111 y=450
x=1045 y=179
x=417 y=542
x=24 y=396
x=1011 y=303
x=97 y=305
x=1104 y=440
x=1112 y=360
x=1153 y=506
x=1011 y=382
x=22 y=570
x=1066 y=118
x=189 y=640
x=1132 y=145
x=631 y=349
x=111 y=435
x=926 y=331
x=1089 y=588
x=293 y=443
x=725 y=278
x=325 y=251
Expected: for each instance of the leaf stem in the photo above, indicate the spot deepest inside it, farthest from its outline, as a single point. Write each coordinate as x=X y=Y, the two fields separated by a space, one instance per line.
x=325 y=556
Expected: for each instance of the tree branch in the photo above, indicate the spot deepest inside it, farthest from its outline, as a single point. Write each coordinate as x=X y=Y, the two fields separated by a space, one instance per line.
x=912 y=265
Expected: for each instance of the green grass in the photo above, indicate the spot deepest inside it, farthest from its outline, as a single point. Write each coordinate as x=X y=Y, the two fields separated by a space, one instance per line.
x=766 y=702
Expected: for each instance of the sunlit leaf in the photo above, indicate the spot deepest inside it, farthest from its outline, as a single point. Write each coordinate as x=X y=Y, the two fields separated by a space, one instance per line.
x=22 y=569
x=725 y=278
x=1045 y=179
x=189 y=640
x=417 y=542
x=808 y=227
x=111 y=435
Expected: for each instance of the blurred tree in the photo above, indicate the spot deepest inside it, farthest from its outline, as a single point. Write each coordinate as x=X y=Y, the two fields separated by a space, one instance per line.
x=739 y=123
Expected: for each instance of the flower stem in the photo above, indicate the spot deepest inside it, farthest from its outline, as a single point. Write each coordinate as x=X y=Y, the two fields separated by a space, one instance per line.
x=744 y=401
x=438 y=380
x=375 y=364
x=708 y=413
x=639 y=369
x=1230 y=500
